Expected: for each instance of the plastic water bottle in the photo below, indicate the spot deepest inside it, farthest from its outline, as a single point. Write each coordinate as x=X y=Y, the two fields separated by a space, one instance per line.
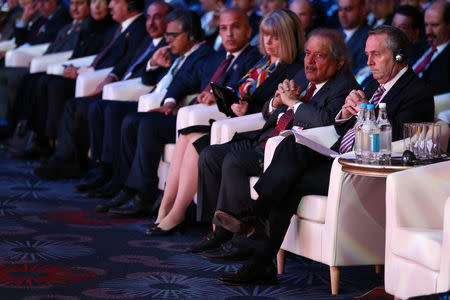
x=385 y=129
x=371 y=136
x=358 y=147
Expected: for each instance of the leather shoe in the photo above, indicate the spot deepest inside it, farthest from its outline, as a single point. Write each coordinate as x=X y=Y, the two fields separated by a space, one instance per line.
x=229 y=251
x=109 y=190
x=136 y=208
x=122 y=198
x=245 y=225
x=158 y=231
x=102 y=177
x=209 y=242
x=254 y=273
x=58 y=169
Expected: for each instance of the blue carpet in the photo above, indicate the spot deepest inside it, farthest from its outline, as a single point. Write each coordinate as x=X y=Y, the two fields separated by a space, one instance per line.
x=53 y=246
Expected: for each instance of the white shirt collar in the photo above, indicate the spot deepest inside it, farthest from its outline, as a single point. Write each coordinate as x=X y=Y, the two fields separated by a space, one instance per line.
x=388 y=85
x=156 y=41
x=349 y=33
x=128 y=21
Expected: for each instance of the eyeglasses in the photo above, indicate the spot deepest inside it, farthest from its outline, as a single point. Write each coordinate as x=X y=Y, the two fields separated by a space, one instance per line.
x=172 y=35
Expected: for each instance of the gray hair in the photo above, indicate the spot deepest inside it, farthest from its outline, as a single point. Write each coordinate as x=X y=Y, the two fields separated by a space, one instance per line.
x=396 y=40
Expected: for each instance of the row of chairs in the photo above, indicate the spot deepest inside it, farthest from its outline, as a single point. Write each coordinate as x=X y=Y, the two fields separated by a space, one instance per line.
x=399 y=221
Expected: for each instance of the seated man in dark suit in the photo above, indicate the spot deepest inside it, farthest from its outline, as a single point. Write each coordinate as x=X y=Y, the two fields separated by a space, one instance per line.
x=140 y=154
x=224 y=169
x=66 y=39
x=352 y=17
x=307 y=12
x=70 y=157
x=105 y=116
x=434 y=65
x=9 y=20
x=410 y=20
x=297 y=170
x=43 y=28
x=249 y=7
x=381 y=12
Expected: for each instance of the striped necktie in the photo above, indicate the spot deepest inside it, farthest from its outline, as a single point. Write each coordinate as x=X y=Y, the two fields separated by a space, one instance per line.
x=349 y=138
x=106 y=49
x=141 y=58
x=425 y=61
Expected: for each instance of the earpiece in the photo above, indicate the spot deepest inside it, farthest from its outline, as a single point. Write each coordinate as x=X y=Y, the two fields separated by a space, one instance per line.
x=399 y=57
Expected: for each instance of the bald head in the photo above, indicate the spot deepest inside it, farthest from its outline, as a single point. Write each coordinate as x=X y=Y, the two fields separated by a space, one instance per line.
x=304 y=11
x=437 y=23
x=234 y=29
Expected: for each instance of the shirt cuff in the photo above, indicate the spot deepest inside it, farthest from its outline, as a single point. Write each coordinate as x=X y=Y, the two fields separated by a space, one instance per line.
x=20 y=23
x=339 y=120
x=271 y=108
x=113 y=76
x=150 y=67
x=296 y=105
x=170 y=100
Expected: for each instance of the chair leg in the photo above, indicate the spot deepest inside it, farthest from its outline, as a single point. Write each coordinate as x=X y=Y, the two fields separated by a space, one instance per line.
x=280 y=261
x=334 y=276
x=378 y=269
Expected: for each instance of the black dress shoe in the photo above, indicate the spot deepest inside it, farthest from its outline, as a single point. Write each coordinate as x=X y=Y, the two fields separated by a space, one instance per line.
x=58 y=169
x=109 y=190
x=229 y=251
x=254 y=273
x=136 y=208
x=212 y=241
x=245 y=225
x=102 y=177
x=158 y=231
x=122 y=198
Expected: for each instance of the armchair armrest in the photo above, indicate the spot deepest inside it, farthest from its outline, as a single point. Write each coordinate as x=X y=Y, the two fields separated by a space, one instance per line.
x=223 y=131
x=87 y=83
x=444 y=276
x=150 y=101
x=127 y=90
x=441 y=103
x=58 y=68
x=7 y=45
x=22 y=56
x=40 y=63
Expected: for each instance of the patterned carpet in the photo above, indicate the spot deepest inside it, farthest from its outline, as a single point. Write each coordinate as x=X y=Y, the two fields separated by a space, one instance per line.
x=53 y=246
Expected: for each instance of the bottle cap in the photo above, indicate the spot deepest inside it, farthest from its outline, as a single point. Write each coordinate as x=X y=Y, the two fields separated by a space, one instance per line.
x=363 y=105
x=382 y=105
x=370 y=106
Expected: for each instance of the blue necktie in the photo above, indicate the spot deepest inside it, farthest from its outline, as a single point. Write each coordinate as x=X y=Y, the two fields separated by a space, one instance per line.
x=138 y=61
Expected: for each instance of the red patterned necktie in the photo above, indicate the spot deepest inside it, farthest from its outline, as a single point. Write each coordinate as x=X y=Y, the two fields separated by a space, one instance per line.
x=308 y=93
x=35 y=34
x=425 y=61
x=220 y=71
x=105 y=50
x=349 y=138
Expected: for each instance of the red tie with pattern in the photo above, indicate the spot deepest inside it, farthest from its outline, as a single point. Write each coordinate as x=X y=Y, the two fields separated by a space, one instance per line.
x=425 y=61
x=38 y=30
x=220 y=71
x=288 y=116
x=103 y=52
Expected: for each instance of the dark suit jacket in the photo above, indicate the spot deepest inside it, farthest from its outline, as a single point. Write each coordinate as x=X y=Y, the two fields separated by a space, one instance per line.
x=409 y=100
x=66 y=40
x=60 y=18
x=95 y=37
x=356 y=45
x=267 y=89
x=197 y=81
x=437 y=75
x=321 y=109
x=122 y=67
x=127 y=42
x=192 y=62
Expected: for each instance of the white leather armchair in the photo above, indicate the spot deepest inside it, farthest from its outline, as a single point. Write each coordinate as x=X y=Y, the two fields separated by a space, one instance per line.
x=58 y=68
x=40 y=63
x=345 y=228
x=126 y=90
x=223 y=131
x=87 y=83
x=441 y=103
x=22 y=56
x=7 y=45
x=418 y=231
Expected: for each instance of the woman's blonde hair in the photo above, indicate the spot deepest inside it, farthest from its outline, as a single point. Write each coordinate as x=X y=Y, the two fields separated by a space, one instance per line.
x=286 y=26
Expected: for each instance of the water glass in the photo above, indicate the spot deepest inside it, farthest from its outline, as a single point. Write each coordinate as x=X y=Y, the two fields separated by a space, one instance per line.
x=435 y=150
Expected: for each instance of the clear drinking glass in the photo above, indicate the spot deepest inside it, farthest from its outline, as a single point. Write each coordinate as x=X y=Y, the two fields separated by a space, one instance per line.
x=406 y=136
x=415 y=130
x=436 y=141
x=426 y=140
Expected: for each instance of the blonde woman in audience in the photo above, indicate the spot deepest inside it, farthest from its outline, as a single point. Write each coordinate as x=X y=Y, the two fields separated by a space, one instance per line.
x=281 y=43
